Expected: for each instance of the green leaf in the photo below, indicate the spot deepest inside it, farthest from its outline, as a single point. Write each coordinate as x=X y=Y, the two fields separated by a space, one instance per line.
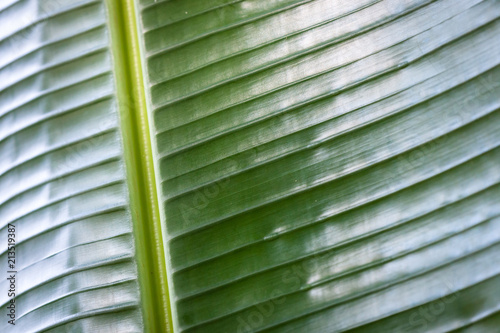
x=326 y=165
x=250 y=165
x=74 y=176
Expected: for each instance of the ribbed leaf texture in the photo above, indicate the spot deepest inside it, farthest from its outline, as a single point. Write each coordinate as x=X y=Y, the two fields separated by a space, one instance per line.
x=322 y=166
x=327 y=166
x=62 y=175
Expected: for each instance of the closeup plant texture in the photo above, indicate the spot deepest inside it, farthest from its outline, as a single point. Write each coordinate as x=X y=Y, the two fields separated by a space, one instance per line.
x=250 y=166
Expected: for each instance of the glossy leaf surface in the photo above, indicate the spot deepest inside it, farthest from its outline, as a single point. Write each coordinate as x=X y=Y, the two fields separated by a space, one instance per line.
x=327 y=165
x=62 y=176
x=297 y=165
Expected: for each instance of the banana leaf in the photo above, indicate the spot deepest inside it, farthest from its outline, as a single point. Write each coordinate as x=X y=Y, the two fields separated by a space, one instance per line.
x=250 y=165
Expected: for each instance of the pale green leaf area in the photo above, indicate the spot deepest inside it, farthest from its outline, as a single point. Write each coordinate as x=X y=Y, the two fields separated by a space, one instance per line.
x=251 y=165
x=62 y=177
